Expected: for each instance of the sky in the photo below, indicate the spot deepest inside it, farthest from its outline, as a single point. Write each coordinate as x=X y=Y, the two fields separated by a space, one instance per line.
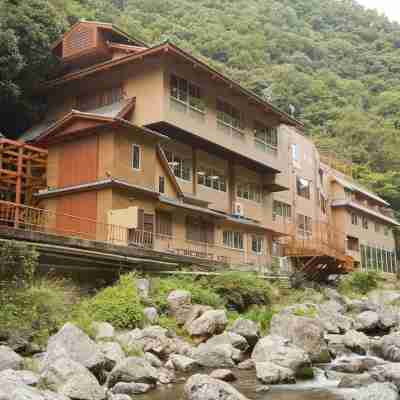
x=390 y=7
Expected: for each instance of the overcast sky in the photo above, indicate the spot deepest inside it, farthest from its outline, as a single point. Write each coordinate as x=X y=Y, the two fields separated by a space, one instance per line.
x=390 y=7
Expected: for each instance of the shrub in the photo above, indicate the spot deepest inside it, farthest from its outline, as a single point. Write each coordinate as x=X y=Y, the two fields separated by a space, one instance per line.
x=359 y=282
x=260 y=315
x=119 y=305
x=18 y=263
x=241 y=290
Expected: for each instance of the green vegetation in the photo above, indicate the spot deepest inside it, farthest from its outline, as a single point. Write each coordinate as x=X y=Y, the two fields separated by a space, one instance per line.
x=336 y=62
x=359 y=283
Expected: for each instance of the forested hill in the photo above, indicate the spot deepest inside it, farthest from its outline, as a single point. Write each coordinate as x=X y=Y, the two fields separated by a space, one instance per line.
x=337 y=63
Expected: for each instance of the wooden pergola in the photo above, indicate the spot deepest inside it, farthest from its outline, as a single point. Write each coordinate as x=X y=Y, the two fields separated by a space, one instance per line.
x=22 y=171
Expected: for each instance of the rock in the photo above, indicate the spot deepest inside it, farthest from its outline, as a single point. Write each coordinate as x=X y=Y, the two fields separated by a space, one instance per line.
x=178 y=299
x=367 y=321
x=112 y=353
x=389 y=317
x=377 y=391
x=131 y=388
x=356 y=341
x=262 y=389
x=153 y=360
x=336 y=323
x=246 y=364
x=378 y=299
x=234 y=339
x=387 y=373
x=133 y=369
x=22 y=393
x=331 y=307
x=210 y=323
x=143 y=287
x=183 y=348
x=270 y=373
x=354 y=364
x=71 y=379
x=388 y=347
x=9 y=359
x=9 y=380
x=305 y=333
x=223 y=374
x=71 y=342
x=336 y=345
x=190 y=314
x=358 y=306
x=279 y=351
x=151 y=315
x=104 y=331
x=28 y=377
x=356 y=380
x=166 y=376
x=334 y=295
x=248 y=329
x=119 y=397
x=203 y=387
x=182 y=363
x=214 y=356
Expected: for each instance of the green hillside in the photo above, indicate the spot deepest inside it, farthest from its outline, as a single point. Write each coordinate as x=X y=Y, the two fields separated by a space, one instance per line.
x=337 y=63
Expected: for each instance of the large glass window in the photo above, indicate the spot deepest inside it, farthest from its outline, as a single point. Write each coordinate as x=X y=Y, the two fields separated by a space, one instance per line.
x=265 y=138
x=233 y=240
x=303 y=187
x=188 y=93
x=229 y=115
x=211 y=178
x=257 y=244
x=282 y=209
x=304 y=226
x=365 y=222
x=182 y=167
x=249 y=191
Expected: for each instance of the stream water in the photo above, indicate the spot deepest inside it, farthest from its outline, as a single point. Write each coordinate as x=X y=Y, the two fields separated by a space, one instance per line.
x=319 y=388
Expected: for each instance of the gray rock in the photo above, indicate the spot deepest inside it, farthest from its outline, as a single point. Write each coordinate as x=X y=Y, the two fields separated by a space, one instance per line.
x=354 y=364
x=262 y=389
x=28 y=377
x=248 y=329
x=203 y=387
x=9 y=359
x=223 y=374
x=387 y=373
x=305 y=333
x=378 y=299
x=367 y=321
x=133 y=369
x=182 y=363
x=210 y=323
x=119 y=397
x=214 y=356
x=151 y=315
x=246 y=364
x=166 y=376
x=189 y=314
x=131 y=388
x=113 y=354
x=356 y=341
x=178 y=299
x=388 y=347
x=143 y=287
x=71 y=342
x=377 y=391
x=103 y=331
x=82 y=387
x=331 y=307
x=279 y=351
x=389 y=317
x=336 y=345
x=153 y=360
x=270 y=373
x=234 y=339
x=334 y=295
x=335 y=323
x=356 y=380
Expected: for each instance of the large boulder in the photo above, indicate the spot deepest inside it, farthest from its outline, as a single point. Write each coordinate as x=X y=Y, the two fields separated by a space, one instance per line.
x=182 y=363
x=378 y=299
x=103 y=331
x=223 y=374
x=246 y=328
x=210 y=323
x=143 y=287
x=9 y=359
x=203 y=387
x=280 y=351
x=237 y=341
x=151 y=315
x=356 y=341
x=367 y=321
x=179 y=300
x=388 y=347
x=356 y=380
x=131 y=388
x=377 y=391
x=219 y=356
x=305 y=333
x=71 y=379
x=133 y=369
x=189 y=314
x=270 y=373
x=71 y=342
x=336 y=345
x=113 y=354
x=389 y=317
x=335 y=323
x=387 y=373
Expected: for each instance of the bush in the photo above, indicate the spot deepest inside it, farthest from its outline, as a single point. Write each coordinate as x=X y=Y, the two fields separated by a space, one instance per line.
x=241 y=290
x=260 y=315
x=359 y=282
x=119 y=305
x=18 y=263
x=36 y=311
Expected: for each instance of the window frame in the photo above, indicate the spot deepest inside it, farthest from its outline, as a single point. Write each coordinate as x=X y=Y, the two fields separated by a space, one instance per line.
x=219 y=184
x=161 y=184
x=179 y=170
x=185 y=95
x=281 y=209
x=226 y=116
x=364 y=223
x=306 y=222
x=233 y=240
x=133 y=147
x=299 y=190
x=259 y=240
x=267 y=131
x=255 y=195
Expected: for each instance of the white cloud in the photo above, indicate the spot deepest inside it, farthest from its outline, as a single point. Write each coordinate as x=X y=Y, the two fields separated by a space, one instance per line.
x=390 y=7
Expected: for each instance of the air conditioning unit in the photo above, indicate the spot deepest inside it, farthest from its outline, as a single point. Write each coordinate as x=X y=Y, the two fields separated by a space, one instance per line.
x=238 y=209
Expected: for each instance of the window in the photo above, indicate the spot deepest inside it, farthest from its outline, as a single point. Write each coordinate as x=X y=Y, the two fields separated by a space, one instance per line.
x=161 y=184
x=303 y=187
x=199 y=230
x=365 y=222
x=249 y=191
x=348 y=194
x=265 y=138
x=182 y=167
x=354 y=218
x=229 y=115
x=295 y=153
x=282 y=209
x=304 y=226
x=377 y=227
x=211 y=178
x=163 y=223
x=352 y=243
x=99 y=99
x=257 y=244
x=233 y=239
x=188 y=93
x=135 y=157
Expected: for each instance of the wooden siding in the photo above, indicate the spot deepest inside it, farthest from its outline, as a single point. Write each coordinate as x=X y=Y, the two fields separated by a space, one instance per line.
x=78 y=162
x=79 y=39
